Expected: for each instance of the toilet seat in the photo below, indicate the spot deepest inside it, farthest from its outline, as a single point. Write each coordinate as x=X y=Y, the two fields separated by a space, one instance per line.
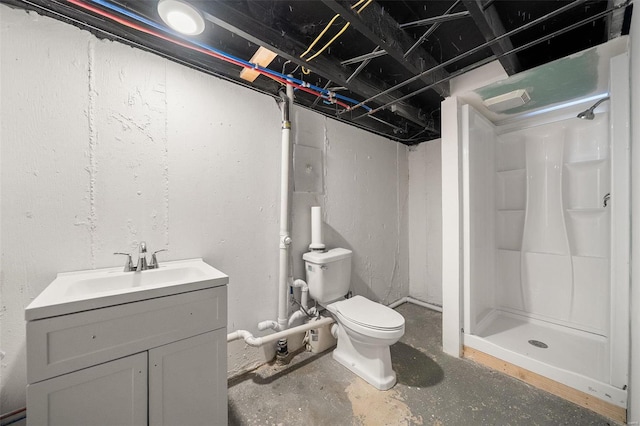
x=368 y=318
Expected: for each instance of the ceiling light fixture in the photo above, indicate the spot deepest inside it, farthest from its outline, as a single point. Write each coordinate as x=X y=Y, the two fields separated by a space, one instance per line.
x=181 y=16
x=507 y=101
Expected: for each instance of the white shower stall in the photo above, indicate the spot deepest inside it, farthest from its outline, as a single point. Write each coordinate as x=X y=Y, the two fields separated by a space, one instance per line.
x=546 y=244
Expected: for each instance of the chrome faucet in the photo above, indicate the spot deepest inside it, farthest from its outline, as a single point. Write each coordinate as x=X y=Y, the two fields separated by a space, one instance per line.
x=142 y=259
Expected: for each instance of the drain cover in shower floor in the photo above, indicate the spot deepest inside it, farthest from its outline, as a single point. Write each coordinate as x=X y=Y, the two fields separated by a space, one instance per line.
x=538 y=344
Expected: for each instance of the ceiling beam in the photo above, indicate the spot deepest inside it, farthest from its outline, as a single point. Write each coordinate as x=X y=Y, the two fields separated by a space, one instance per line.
x=384 y=31
x=490 y=25
x=615 y=20
x=435 y=19
x=255 y=29
x=104 y=28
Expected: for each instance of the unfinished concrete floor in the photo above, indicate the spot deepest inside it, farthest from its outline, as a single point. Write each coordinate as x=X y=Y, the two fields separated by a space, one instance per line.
x=433 y=389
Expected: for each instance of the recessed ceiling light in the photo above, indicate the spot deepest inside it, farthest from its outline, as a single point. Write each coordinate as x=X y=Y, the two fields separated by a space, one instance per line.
x=181 y=16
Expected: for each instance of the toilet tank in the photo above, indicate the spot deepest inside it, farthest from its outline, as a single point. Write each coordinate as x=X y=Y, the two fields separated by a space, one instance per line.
x=328 y=274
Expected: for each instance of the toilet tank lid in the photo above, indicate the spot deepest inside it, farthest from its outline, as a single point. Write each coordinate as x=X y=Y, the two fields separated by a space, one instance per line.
x=320 y=258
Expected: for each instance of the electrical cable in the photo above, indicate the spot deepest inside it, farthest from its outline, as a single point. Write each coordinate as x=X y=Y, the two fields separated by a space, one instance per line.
x=341 y=31
x=210 y=51
x=329 y=42
x=326 y=28
x=303 y=309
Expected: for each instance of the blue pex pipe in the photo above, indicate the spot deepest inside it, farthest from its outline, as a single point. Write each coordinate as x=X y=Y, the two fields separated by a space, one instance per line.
x=205 y=46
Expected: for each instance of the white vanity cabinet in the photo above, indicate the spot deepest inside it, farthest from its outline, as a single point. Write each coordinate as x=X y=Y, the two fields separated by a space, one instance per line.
x=159 y=361
x=113 y=393
x=188 y=381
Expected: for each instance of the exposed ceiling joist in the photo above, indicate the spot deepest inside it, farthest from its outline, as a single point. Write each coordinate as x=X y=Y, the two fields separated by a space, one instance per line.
x=378 y=72
x=435 y=20
x=615 y=21
x=488 y=22
x=384 y=31
x=262 y=33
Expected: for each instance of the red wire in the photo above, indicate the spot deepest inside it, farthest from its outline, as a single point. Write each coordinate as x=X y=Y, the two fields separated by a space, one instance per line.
x=196 y=48
x=13 y=413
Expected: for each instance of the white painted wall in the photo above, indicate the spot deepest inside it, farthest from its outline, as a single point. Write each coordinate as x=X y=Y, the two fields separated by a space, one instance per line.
x=633 y=415
x=103 y=146
x=425 y=222
x=364 y=202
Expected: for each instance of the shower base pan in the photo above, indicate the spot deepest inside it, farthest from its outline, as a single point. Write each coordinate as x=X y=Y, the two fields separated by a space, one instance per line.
x=565 y=362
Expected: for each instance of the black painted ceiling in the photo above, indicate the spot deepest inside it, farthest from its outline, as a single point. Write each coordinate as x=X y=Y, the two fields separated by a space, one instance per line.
x=421 y=43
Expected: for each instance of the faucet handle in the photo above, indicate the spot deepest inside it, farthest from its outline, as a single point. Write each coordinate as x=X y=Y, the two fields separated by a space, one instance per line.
x=143 y=247
x=129 y=265
x=154 y=261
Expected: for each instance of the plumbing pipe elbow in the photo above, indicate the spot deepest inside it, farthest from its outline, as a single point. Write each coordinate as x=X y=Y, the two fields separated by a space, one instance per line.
x=246 y=336
x=334 y=330
x=260 y=341
x=268 y=324
x=302 y=284
x=255 y=342
x=304 y=292
x=296 y=316
x=237 y=335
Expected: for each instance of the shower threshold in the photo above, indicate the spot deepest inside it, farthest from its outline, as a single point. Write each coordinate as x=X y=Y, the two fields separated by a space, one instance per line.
x=576 y=359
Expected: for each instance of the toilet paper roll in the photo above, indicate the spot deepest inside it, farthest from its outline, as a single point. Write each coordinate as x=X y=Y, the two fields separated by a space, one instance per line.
x=316 y=229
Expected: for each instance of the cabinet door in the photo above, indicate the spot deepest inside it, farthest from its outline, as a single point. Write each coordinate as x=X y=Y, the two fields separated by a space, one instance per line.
x=113 y=393
x=188 y=381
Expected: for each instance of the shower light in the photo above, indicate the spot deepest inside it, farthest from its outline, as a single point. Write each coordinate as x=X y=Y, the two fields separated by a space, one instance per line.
x=507 y=101
x=181 y=16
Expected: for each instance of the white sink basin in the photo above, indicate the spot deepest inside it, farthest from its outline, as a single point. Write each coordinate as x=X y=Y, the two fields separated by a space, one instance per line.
x=84 y=290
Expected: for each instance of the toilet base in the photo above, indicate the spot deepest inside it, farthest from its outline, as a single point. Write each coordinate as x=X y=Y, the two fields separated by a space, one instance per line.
x=371 y=362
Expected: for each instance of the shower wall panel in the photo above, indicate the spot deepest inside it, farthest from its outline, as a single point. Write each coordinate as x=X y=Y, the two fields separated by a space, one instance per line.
x=479 y=189
x=545 y=258
x=511 y=193
x=552 y=223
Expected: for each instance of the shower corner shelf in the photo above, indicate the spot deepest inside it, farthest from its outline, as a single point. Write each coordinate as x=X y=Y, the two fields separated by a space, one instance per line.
x=510 y=250
x=509 y=172
x=588 y=256
x=586 y=163
x=587 y=211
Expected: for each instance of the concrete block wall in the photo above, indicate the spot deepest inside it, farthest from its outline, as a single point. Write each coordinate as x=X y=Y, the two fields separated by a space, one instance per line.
x=104 y=146
x=425 y=222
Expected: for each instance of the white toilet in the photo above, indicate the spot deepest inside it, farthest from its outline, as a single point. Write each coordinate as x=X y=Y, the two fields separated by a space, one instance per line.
x=366 y=329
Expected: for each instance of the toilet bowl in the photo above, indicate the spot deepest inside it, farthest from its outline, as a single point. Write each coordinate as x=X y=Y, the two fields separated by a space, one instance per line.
x=366 y=329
